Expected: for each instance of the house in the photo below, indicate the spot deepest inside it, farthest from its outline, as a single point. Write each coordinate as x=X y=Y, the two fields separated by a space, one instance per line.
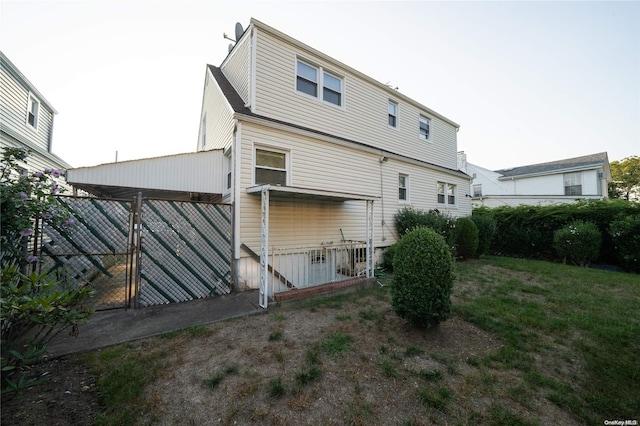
x=26 y=120
x=316 y=158
x=556 y=182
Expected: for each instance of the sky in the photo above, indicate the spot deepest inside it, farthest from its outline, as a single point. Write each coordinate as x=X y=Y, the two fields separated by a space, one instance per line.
x=528 y=82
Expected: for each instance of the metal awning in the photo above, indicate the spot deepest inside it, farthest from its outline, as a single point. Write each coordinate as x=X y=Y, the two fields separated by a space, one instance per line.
x=290 y=192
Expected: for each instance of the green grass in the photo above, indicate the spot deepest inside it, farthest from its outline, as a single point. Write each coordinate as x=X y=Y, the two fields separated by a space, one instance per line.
x=565 y=334
x=593 y=313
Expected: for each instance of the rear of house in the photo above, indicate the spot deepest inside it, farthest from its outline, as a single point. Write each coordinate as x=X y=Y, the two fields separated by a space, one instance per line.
x=335 y=153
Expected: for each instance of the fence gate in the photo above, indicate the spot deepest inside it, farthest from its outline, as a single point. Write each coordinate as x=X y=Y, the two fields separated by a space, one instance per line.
x=142 y=252
x=184 y=251
x=92 y=248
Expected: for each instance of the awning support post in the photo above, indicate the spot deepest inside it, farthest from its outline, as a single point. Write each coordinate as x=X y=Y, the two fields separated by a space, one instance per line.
x=264 y=245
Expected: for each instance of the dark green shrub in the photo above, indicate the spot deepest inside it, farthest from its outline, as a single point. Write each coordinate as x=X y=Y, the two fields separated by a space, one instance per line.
x=423 y=278
x=625 y=234
x=579 y=241
x=387 y=257
x=466 y=238
x=486 y=224
x=410 y=218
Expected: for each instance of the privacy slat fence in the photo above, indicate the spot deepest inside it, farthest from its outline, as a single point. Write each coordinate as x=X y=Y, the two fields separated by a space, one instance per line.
x=141 y=252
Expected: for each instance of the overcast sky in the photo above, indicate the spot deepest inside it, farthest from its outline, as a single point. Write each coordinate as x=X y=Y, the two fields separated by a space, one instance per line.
x=528 y=82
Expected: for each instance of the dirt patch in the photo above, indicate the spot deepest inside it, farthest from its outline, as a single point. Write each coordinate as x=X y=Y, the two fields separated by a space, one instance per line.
x=69 y=397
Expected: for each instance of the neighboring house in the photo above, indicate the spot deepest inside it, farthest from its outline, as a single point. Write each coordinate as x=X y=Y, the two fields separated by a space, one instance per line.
x=316 y=158
x=26 y=120
x=556 y=182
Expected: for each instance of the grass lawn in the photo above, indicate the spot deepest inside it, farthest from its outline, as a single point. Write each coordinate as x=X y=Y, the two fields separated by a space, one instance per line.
x=530 y=343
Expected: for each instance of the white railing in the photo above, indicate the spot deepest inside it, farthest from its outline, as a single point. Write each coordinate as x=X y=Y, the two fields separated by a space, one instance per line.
x=310 y=266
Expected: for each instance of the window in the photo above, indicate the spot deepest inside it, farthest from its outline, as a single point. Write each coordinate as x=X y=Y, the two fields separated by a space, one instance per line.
x=403 y=188
x=271 y=167
x=203 y=132
x=425 y=128
x=446 y=193
x=32 y=112
x=573 y=183
x=393 y=114
x=332 y=89
x=229 y=167
x=308 y=78
x=477 y=190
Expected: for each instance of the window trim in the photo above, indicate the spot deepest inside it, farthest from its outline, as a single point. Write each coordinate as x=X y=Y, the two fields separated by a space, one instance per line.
x=575 y=176
x=395 y=116
x=32 y=100
x=287 y=163
x=320 y=83
x=229 y=175
x=428 y=122
x=406 y=188
x=446 y=197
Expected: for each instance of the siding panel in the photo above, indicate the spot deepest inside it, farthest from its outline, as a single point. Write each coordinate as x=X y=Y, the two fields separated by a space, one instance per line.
x=236 y=67
x=364 y=116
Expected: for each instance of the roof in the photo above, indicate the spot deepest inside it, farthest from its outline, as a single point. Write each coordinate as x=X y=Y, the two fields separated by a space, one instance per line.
x=308 y=193
x=238 y=105
x=577 y=163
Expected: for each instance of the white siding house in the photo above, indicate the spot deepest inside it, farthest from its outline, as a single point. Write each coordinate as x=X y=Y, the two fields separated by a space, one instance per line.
x=320 y=154
x=26 y=120
x=314 y=156
x=563 y=181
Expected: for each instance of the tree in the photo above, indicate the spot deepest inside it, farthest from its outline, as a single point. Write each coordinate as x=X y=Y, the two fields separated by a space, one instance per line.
x=625 y=178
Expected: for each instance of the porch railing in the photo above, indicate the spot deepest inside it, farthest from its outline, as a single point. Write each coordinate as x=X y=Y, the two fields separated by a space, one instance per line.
x=310 y=266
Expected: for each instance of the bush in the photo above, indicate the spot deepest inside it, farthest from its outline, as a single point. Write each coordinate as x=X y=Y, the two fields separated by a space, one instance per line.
x=410 y=218
x=466 y=238
x=387 y=259
x=579 y=241
x=625 y=234
x=33 y=307
x=423 y=278
x=486 y=224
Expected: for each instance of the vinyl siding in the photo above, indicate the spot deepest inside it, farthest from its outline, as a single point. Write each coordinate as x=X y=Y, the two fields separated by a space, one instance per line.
x=317 y=164
x=14 y=99
x=236 y=67
x=362 y=118
x=219 y=117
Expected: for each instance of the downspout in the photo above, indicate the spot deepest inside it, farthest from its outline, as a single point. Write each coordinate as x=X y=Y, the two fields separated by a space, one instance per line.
x=236 y=153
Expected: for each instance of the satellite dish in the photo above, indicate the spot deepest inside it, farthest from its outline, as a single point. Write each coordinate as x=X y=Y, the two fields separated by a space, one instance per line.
x=230 y=47
x=239 y=30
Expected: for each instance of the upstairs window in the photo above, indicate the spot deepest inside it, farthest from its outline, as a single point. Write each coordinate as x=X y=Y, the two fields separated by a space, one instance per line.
x=270 y=167
x=33 y=109
x=332 y=89
x=446 y=193
x=393 y=114
x=477 y=190
x=403 y=188
x=309 y=78
x=425 y=128
x=203 y=132
x=573 y=183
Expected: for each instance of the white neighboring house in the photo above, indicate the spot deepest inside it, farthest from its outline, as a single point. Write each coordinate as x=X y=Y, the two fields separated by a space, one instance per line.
x=315 y=158
x=556 y=182
x=26 y=120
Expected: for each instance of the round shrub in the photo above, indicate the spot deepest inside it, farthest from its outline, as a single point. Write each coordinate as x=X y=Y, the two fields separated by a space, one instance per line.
x=423 y=278
x=466 y=238
x=625 y=234
x=579 y=242
x=486 y=231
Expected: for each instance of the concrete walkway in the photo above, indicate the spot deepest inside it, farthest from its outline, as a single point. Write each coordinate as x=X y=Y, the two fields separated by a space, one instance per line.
x=108 y=328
